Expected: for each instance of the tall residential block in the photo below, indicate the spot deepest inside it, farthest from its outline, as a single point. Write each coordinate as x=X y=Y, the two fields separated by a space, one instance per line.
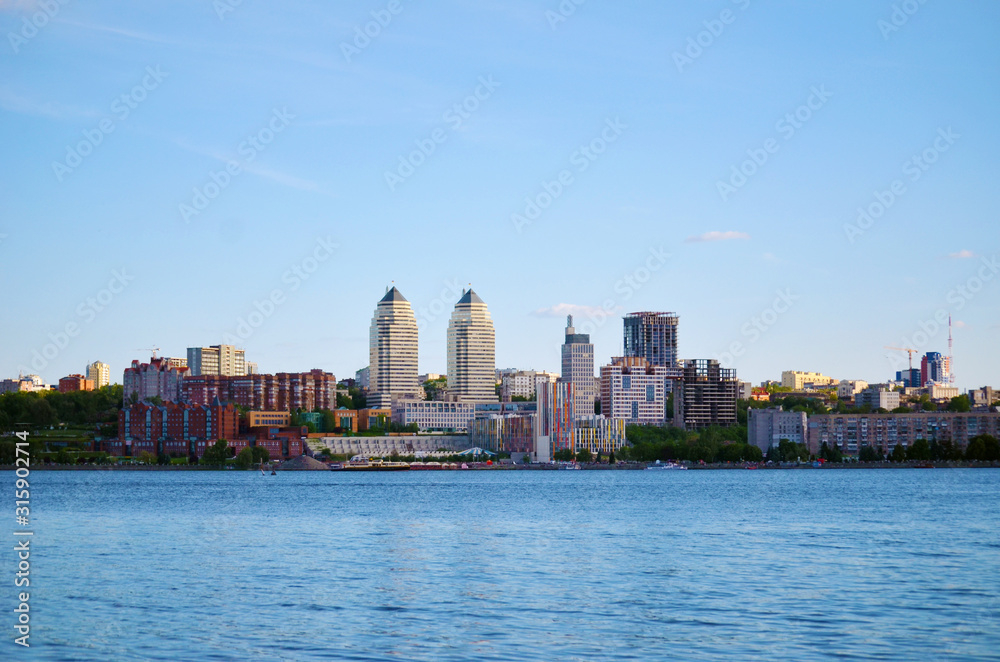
x=217 y=360
x=471 y=351
x=705 y=395
x=392 y=352
x=652 y=336
x=635 y=391
x=578 y=368
x=158 y=378
x=934 y=368
x=767 y=427
x=99 y=373
x=284 y=391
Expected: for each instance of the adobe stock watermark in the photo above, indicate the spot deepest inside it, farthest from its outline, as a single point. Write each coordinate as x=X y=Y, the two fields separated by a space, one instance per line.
x=363 y=35
x=122 y=107
x=249 y=149
x=581 y=159
x=565 y=9
x=754 y=328
x=625 y=288
x=957 y=299
x=293 y=278
x=787 y=126
x=454 y=117
x=223 y=7
x=714 y=28
x=899 y=17
x=86 y=312
x=48 y=9
x=914 y=168
x=440 y=305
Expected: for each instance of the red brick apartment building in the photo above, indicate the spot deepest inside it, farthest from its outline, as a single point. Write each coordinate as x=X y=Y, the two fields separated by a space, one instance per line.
x=186 y=429
x=75 y=383
x=284 y=391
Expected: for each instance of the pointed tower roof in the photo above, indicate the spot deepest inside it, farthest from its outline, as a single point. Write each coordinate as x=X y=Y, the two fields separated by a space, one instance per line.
x=470 y=297
x=393 y=295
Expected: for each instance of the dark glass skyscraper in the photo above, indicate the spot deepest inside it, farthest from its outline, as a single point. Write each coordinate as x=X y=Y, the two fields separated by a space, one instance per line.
x=652 y=336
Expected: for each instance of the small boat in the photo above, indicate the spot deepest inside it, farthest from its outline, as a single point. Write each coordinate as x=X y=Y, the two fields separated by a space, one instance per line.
x=663 y=467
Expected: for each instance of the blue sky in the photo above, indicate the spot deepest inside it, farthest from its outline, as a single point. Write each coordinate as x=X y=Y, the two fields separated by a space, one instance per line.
x=615 y=121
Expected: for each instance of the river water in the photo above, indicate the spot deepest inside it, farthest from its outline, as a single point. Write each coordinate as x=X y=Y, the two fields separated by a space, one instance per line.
x=512 y=565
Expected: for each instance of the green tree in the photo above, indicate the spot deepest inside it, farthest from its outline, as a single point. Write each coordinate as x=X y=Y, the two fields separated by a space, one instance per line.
x=146 y=457
x=869 y=454
x=960 y=404
x=611 y=458
x=563 y=455
x=584 y=455
x=163 y=459
x=830 y=453
x=244 y=459
x=216 y=454
x=929 y=406
x=260 y=454
x=920 y=450
x=898 y=453
x=983 y=448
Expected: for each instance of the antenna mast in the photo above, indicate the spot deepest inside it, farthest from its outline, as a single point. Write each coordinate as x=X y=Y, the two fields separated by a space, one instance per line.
x=951 y=360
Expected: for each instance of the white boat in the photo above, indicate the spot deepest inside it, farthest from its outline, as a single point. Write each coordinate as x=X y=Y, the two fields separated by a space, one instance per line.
x=662 y=467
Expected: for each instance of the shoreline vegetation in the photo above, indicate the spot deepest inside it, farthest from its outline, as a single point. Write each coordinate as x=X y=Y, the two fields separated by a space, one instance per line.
x=593 y=466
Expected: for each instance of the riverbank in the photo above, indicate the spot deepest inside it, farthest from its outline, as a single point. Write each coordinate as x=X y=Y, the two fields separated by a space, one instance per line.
x=623 y=466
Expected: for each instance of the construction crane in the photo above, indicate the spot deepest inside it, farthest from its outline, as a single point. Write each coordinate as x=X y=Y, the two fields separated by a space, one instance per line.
x=908 y=350
x=154 y=350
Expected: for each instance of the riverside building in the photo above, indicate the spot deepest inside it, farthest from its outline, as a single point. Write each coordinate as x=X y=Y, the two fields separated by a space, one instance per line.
x=471 y=351
x=392 y=353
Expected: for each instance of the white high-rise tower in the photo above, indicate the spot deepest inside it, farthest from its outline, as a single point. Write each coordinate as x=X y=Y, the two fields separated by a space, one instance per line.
x=393 y=352
x=471 y=351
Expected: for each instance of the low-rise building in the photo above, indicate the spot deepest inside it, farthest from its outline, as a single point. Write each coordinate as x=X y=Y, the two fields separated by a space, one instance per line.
x=797 y=380
x=941 y=392
x=849 y=433
x=434 y=416
x=259 y=419
x=984 y=397
x=877 y=398
x=75 y=383
x=848 y=388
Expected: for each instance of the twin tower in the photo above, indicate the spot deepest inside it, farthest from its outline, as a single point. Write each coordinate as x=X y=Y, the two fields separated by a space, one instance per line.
x=392 y=367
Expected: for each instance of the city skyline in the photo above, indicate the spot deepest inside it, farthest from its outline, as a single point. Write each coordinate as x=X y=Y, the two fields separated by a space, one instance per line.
x=799 y=219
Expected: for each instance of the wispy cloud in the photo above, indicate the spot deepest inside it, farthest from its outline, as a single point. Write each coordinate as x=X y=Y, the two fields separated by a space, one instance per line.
x=717 y=236
x=122 y=32
x=282 y=178
x=964 y=254
x=15 y=103
x=564 y=309
x=959 y=324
